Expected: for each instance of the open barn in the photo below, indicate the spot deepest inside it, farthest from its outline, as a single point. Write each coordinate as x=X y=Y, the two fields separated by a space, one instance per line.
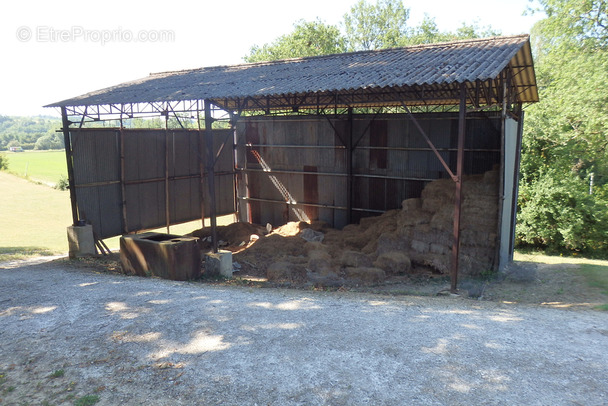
x=426 y=138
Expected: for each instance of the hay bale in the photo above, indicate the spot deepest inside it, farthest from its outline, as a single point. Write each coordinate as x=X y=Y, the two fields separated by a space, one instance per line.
x=365 y=274
x=356 y=241
x=319 y=260
x=355 y=259
x=232 y=234
x=413 y=217
x=366 y=222
x=437 y=193
x=420 y=247
x=443 y=219
x=440 y=263
x=351 y=228
x=440 y=249
x=389 y=242
x=385 y=223
x=393 y=262
x=411 y=205
x=491 y=177
x=314 y=246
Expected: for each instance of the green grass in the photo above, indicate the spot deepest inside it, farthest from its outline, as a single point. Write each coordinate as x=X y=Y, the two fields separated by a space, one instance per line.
x=594 y=271
x=557 y=259
x=87 y=400
x=41 y=166
x=596 y=276
x=34 y=219
x=58 y=373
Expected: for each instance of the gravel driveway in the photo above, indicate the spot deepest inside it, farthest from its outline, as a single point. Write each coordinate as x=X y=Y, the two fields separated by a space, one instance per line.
x=75 y=336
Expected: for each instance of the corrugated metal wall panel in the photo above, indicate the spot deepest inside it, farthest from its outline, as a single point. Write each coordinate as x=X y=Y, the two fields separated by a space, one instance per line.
x=392 y=161
x=97 y=170
x=97 y=179
x=146 y=205
x=144 y=154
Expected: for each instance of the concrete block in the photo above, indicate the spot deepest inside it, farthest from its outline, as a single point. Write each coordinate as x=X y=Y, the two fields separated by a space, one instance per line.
x=219 y=263
x=81 y=242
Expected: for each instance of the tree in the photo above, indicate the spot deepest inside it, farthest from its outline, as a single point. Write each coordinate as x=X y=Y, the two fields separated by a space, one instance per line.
x=48 y=142
x=308 y=39
x=26 y=130
x=367 y=26
x=428 y=33
x=13 y=143
x=382 y=25
x=566 y=134
x=573 y=24
x=557 y=213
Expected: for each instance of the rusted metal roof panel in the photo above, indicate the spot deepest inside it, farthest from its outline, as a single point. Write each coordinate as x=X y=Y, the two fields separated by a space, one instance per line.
x=436 y=65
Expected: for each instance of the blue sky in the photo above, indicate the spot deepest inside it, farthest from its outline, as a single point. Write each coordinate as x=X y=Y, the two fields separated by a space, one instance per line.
x=61 y=49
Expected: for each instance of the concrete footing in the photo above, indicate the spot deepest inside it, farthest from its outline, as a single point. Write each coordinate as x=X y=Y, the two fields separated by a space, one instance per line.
x=219 y=263
x=81 y=241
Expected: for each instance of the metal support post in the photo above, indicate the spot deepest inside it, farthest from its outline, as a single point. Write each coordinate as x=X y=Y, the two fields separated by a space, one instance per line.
x=349 y=167
x=68 y=155
x=458 y=193
x=211 y=172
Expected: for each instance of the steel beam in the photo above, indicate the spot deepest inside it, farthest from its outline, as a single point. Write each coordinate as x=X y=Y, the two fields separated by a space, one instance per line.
x=210 y=158
x=458 y=192
x=67 y=140
x=349 y=167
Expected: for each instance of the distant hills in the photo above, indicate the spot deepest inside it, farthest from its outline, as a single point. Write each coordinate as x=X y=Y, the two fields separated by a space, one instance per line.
x=33 y=132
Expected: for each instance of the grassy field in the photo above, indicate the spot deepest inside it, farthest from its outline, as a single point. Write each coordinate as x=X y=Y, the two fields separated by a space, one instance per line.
x=34 y=218
x=40 y=166
x=594 y=271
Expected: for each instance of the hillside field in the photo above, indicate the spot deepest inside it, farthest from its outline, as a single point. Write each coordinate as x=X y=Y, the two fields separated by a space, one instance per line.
x=34 y=218
x=39 y=166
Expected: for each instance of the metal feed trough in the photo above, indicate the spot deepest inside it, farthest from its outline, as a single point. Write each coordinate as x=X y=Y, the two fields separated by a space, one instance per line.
x=164 y=255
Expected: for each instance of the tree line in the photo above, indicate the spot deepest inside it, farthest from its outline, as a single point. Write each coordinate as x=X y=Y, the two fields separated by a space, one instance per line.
x=367 y=26
x=563 y=197
x=38 y=132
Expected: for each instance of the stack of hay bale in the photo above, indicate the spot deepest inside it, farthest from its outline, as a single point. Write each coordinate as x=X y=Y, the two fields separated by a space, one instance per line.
x=420 y=234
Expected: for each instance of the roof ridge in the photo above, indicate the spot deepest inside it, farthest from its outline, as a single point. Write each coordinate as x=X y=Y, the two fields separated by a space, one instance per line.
x=367 y=51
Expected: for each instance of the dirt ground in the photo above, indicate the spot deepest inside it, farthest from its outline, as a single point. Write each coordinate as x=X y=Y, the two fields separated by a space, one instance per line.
x=551 y=285
x=81 y=333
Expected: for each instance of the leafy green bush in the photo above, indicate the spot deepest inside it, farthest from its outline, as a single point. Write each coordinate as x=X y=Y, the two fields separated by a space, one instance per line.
x=3 y=162
x=557 y=213
x=62 y=183
x=49 y=141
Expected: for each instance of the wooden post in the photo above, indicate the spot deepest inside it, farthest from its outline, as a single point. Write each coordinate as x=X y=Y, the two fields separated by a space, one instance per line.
x=458 y=193
x=68 y=155
x=210 y=156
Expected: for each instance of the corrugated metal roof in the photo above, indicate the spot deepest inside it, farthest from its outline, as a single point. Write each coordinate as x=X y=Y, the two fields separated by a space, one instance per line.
x=434 y=66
